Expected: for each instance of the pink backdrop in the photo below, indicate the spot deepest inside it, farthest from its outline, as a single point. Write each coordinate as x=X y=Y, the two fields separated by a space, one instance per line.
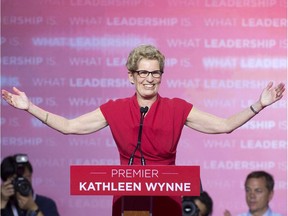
x=69 y=57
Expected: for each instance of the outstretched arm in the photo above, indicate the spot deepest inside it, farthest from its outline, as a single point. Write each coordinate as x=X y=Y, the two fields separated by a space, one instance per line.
x=87 y=123
x=208 y=123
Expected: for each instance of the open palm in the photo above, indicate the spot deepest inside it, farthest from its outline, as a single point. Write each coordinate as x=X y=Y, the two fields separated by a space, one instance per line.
x=271 y=95
x=18 y=100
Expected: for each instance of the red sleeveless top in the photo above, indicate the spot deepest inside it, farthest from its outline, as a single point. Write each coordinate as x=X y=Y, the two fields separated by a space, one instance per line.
x=162 y=128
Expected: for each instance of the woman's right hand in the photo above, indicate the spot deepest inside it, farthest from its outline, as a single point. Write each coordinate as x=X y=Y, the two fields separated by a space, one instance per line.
x=18 y=100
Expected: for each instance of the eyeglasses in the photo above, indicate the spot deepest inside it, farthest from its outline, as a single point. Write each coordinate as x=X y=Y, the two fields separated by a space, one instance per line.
x=144 y=73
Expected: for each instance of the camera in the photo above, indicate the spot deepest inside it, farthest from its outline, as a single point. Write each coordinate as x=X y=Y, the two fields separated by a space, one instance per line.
x=188 y=207
x=21 y=184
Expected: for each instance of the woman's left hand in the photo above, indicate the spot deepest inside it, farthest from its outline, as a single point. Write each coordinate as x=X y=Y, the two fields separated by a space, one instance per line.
x=272 y=94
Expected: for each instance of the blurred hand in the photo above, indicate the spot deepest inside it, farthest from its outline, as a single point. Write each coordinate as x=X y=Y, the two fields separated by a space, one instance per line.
x=18 y=100
x=272 y=94
x=26 y=202
x=227 y=213
x=7 y=190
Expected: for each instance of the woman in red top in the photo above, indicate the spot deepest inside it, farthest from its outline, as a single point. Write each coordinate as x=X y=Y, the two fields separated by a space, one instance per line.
x=163 y=122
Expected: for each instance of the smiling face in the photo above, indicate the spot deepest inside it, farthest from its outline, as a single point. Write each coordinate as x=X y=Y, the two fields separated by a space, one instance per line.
x=257 y=195
x=146 y=88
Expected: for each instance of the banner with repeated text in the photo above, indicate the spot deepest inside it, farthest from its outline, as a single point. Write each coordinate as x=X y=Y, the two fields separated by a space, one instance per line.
x=69 y=57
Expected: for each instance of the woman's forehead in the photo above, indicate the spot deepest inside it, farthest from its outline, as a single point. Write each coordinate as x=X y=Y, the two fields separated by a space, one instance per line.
x=148 y=64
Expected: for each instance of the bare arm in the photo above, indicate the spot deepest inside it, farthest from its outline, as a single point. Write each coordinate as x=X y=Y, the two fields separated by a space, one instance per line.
x=208 y=123
x=84 y=124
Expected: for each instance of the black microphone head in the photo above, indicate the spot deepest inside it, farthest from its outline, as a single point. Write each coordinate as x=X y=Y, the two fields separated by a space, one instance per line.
x=144 y=109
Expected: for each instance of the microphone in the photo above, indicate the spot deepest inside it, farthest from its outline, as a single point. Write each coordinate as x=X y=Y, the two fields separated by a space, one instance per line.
x=143 y=111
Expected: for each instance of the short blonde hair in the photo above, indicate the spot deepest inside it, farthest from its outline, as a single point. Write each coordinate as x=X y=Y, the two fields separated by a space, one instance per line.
x=144 y=52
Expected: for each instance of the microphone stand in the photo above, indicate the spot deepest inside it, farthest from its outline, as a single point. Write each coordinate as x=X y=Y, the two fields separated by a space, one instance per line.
x=143 y=111
x=145 y=201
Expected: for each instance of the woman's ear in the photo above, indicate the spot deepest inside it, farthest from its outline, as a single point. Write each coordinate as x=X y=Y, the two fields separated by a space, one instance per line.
x=131 y=77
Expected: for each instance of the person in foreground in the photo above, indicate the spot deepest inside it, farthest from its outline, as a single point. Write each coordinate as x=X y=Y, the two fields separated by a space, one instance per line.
x=259 y=189
x=203 y=205
x=164 y=117
x=17 y=195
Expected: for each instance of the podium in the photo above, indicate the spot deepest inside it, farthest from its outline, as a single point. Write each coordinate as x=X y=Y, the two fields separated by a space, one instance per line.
x=147 y=206
x=134 y=206
x=138 y=190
